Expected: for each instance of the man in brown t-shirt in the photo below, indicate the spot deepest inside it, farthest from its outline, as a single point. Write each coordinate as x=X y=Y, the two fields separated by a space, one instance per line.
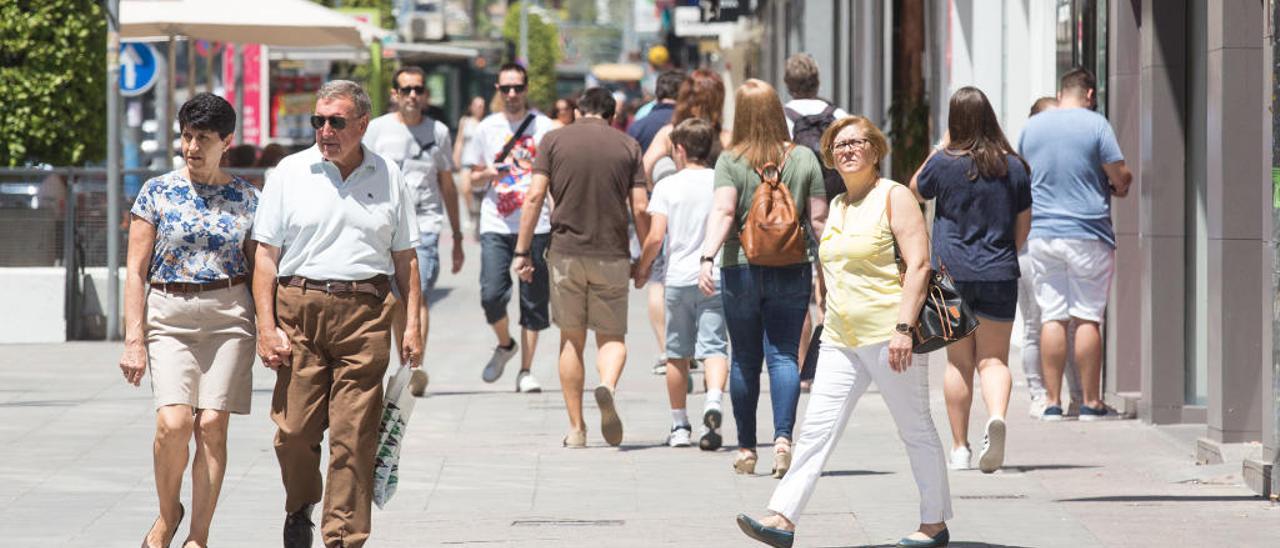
x=594 y=173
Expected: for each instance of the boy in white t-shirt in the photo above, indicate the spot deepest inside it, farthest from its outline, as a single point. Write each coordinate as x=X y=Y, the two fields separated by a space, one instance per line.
x=695 y=322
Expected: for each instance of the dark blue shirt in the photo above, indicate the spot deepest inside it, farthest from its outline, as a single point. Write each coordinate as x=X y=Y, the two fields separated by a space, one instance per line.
x=644 y=129
x=974 y=225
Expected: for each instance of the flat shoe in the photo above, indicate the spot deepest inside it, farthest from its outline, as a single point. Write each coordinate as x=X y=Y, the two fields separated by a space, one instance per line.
x=768 y=535
x=943 y=538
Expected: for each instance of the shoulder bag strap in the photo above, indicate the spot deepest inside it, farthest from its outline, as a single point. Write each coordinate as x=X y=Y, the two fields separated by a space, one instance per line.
x=423 y=147
x=897 y=253
x=511 y=143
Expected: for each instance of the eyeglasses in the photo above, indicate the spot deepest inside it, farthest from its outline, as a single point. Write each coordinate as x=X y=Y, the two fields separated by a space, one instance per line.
x=335 y=122
x=518 y=88
x=409 y=90
x=851 y=144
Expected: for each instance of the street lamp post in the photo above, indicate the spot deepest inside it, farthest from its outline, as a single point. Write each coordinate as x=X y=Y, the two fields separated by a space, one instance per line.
x=113 y=169
x=523 y=56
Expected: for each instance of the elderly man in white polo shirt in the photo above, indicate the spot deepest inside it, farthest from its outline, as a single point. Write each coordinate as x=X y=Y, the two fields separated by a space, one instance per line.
x=335 y=221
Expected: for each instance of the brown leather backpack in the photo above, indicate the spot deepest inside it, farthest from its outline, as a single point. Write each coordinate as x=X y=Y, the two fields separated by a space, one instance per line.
x=771 y=235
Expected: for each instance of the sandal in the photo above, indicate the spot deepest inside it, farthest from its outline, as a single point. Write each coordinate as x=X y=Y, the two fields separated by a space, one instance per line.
x=781 y=457
x=745 y=463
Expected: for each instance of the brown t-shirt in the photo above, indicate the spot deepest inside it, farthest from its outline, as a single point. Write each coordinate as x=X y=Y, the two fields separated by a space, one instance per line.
x=592 y=168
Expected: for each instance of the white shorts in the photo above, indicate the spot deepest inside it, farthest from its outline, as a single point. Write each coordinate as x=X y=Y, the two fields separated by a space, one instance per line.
x=1072 y=277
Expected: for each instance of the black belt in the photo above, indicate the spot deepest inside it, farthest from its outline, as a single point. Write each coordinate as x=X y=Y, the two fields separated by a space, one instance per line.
x=197 y=287
x=377 y=286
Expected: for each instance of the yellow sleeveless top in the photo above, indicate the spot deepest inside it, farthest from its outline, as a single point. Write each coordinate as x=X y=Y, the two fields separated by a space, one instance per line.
x=863 y=290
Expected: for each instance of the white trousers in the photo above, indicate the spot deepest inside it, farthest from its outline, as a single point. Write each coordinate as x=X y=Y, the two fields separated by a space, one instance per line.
x=843 y=376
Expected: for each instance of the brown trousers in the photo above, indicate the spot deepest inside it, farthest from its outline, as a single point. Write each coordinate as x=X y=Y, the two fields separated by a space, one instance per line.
x=341 y=345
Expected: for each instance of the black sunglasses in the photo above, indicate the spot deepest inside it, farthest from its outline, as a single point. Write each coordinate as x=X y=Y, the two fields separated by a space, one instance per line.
x=336 y=122
x=406 y=90
x=518 y=88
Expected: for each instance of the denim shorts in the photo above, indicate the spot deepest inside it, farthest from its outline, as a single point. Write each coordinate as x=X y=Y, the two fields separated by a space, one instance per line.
x=996 y=301
x=695 y=324
x=428 y=265
x=428 y=261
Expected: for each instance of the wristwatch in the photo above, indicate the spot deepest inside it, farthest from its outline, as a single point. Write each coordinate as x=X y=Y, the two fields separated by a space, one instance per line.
x=705 y=259
x=520 y=254
x=903 y=328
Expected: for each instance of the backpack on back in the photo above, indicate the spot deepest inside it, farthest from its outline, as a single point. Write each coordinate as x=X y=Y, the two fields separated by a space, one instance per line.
x=807 y=131
x=771 y=235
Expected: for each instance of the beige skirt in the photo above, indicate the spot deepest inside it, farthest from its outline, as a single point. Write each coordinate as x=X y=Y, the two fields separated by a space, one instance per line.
x=201 y=348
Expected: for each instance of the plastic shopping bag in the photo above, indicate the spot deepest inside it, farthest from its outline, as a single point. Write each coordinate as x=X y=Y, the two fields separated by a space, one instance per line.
x=397 y=405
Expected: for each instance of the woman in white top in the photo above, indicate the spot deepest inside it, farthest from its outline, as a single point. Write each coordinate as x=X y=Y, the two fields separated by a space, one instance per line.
x=466 y=129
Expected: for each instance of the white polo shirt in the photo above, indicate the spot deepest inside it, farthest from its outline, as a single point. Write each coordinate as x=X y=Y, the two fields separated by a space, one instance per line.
x=331 y=229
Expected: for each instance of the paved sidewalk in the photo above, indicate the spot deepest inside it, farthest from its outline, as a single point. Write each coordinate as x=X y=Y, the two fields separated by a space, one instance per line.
x=483 y=466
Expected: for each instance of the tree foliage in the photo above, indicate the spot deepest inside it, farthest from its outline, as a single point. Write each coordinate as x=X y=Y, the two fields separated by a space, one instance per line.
x=544 y=53
x=52 y=82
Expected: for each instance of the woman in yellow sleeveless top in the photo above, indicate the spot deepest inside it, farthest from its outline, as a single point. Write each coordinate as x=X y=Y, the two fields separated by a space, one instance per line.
x=869 y=316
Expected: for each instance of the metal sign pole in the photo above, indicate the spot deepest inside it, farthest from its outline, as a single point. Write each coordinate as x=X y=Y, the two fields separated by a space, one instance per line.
x=113 y=170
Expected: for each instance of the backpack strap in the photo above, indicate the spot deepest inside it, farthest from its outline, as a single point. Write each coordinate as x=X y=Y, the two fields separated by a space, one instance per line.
x=829 y=111
x=792 y=114
x=785 y=155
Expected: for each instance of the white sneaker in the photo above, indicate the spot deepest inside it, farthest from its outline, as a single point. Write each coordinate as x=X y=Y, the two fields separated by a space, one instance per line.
x=1036 y=410
x=660 y=368
x=680 y=436
x=498 y=362
x=992 y=456
x=525 y=382
x=960 y=458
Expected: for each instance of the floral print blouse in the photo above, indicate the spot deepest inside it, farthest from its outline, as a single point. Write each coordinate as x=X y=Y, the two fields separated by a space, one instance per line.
x=200 y=228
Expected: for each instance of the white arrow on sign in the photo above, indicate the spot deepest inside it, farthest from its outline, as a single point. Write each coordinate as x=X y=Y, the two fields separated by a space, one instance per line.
x=129 y=58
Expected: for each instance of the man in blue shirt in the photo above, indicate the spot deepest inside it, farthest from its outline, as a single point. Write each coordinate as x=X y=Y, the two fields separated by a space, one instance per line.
x=643 y=129
x=1076 y=166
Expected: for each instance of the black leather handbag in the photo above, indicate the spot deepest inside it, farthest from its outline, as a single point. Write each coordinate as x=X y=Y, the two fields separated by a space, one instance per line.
x=944 y=317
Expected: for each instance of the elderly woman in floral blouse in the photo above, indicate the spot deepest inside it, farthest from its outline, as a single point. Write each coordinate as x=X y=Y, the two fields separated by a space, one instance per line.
x=189 y=313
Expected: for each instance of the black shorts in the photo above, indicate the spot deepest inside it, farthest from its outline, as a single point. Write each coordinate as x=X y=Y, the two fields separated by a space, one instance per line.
x=997 y=301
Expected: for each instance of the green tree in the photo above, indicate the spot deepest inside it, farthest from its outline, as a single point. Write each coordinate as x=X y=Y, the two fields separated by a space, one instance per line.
x=544 y=53
x=52 y=81
x=367 y=73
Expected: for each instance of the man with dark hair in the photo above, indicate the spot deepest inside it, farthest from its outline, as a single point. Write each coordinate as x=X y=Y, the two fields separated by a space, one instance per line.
x=1076 y=167
x=500 y=159
x=807 y=118
x=334 y=225
x=593 y=173
x=659 y=114
x=421 y=147
x=695 y=326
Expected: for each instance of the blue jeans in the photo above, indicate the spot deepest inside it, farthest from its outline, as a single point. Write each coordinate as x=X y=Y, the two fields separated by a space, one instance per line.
x=765 y=308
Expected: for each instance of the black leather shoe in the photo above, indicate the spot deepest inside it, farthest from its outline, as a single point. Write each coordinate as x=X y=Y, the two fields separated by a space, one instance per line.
x=777 y=538
x=297 y=528
x=941 y=539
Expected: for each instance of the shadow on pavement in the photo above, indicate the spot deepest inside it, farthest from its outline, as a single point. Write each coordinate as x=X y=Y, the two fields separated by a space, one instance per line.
x=1037 y=467
x=845 y=473
x=628 y=447
x=961 y=544
x=1167 y=498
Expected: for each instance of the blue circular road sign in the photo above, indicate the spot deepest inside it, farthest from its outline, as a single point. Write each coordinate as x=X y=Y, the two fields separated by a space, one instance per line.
x=139 y=66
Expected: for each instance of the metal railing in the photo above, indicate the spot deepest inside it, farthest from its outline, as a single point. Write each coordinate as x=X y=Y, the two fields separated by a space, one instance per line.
x=58 y=218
